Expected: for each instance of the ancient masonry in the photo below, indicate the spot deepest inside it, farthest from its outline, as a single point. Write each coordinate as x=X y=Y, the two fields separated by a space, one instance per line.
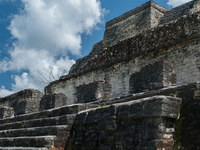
x=138 y=89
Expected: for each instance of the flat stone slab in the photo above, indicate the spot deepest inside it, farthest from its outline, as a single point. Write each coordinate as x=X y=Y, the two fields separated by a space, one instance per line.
x=35 y=131
x=143 y=124
x=65 y=110
x=50 y=121
x=22 y=148
x=33 y=141
x=156 y=106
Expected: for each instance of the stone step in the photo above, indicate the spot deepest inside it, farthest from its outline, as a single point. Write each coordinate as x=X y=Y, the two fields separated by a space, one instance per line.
x=59 y=120
x=70 y=109
x=23 y=148
x=33 y=141
x=37 y=131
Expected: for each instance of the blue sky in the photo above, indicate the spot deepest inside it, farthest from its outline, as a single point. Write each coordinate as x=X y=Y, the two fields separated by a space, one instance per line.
x=38 y=34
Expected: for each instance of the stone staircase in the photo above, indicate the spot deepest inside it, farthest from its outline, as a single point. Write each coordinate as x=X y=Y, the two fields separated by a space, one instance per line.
x=46 y=130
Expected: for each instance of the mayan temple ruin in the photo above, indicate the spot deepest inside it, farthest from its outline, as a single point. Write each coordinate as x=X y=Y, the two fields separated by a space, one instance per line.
x=137 y=89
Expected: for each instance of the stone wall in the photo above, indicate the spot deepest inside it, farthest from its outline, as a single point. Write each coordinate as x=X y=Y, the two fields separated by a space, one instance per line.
x=26 y=101
x=97 y=48
x=152 y=77
x=138 y=20
x=176 y=42
x=179 y=11
x=133 y=22
x=137 y=121
x=187 y=126
x=127 y=25
x=114 y=125
x=95 y=91
x=54 y=100
x=6 y=112
x=161 y=116
x=128 y=125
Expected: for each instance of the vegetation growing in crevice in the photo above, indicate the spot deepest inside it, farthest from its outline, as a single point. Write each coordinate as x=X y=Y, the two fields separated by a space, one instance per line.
x=178 y=128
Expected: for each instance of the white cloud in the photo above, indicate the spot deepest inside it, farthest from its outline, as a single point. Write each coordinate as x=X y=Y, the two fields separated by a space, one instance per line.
x=45 y=32
x=4 y=91
x=23 y=82
x=175 y=3
x=52 y=24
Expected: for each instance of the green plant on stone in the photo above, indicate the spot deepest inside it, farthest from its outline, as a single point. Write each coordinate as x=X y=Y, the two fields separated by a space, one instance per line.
x=178 y=128
x=70 y=144
x=104 y=104
x=101 y=105
x=82 y=148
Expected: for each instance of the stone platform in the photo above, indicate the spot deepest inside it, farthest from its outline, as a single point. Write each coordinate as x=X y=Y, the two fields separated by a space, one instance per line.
x=138 y=89
x=54 y=129
x=44 y=130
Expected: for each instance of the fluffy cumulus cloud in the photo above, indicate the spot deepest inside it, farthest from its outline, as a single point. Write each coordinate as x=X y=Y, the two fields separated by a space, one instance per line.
x=45 y=32
x=175 y=3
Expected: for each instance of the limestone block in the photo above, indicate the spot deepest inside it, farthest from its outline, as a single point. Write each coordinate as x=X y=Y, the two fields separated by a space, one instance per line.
x=138 y=124
x=6 y=112
x=25 y=101
x=95 y=91
x=26 y=106
x=55 y=100
x=151 y=77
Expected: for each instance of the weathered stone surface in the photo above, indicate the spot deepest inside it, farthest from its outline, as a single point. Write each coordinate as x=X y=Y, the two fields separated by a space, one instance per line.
x=97 y=48
x=141 y=62
x=47 y=141
x=186 y=127
x=37 y=123
x=27 y=106
x=49 y=129
x=70 y=109
x=6 y=112
x=150 y=41
x=179 y=11
x=132 y=125
x=95 y=91
x=133 y=22
x=153 y=76
x=22 y=148
x=53 y=101
x=37 y=131
x=26 y=101
x=176 y=42
x=151 y=120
